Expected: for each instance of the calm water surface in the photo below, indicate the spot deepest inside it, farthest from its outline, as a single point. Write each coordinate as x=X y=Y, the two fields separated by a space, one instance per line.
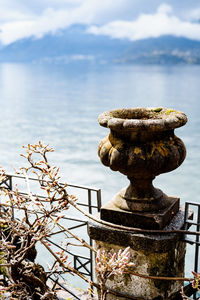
x=59 y=105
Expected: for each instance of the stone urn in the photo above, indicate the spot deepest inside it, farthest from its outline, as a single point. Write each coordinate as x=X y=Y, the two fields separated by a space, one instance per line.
x=141 y=145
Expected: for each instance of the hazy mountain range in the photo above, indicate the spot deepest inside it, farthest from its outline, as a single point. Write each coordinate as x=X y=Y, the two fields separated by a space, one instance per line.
x=75 y=44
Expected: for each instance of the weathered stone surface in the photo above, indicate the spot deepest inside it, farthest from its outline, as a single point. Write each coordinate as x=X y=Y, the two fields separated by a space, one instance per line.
x=112 y=212
x=138 y=241
x=166 y=263
x=142 y=145
x=158 y=119
x=156 y=255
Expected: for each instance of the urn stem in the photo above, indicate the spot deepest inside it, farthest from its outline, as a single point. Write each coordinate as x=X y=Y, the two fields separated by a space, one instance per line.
x=140 y=188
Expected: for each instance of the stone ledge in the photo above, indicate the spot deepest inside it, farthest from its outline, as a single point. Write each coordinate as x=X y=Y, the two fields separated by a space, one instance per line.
x=145 y=220
x=151 y=242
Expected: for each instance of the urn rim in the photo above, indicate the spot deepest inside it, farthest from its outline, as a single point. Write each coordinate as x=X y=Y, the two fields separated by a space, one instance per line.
x=136 y=119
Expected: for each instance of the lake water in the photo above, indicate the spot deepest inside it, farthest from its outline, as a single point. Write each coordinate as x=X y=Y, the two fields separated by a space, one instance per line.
x=59 y=105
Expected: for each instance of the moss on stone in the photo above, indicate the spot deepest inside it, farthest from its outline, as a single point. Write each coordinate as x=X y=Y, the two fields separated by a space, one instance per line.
x=158 y=109
x=158 y=262
x=169 y=111
x=2 y=269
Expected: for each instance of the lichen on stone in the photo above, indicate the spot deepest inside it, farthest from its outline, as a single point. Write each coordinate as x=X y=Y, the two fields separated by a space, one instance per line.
x=158 y=109
x=169 y=111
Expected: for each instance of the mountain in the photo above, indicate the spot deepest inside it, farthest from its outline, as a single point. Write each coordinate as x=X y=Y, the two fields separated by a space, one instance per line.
x=75 y=44
x=163 y=50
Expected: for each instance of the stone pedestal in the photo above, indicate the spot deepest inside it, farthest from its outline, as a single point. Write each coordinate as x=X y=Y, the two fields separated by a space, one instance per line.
x=141 y=145
x=155 y=255
x=110 y=212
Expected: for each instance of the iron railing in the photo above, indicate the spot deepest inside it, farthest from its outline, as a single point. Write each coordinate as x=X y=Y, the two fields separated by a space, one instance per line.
x=195 y=222
x=194 y=240
x=91 y=201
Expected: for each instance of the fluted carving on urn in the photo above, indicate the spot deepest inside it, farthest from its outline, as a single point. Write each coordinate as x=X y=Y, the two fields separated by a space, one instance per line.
x=142 y=145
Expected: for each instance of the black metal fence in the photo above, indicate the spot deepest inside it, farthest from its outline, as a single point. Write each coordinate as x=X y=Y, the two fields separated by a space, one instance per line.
x=195 y=222
x=90 y=199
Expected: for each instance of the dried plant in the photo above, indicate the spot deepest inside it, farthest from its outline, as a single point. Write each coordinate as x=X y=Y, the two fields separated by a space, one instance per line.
x=21 y=277
x=184 y=297
x=111 y=264
x=196 y=281
x=195 y=285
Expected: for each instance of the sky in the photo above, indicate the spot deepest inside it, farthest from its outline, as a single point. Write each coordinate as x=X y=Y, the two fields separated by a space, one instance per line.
x=124 y=19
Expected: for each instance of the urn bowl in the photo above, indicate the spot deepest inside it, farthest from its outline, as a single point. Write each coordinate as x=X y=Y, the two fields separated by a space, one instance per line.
x=141 y=145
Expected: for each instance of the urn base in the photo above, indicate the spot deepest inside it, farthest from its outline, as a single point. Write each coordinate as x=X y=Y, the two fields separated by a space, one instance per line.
x=157 y=219
x=156 y=200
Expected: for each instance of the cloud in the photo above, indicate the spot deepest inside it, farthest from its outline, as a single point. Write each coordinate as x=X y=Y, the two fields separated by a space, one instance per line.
x=56 y=15
x=163 y=22
x=164 y=9
x=21 y=18
x=194 y=14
